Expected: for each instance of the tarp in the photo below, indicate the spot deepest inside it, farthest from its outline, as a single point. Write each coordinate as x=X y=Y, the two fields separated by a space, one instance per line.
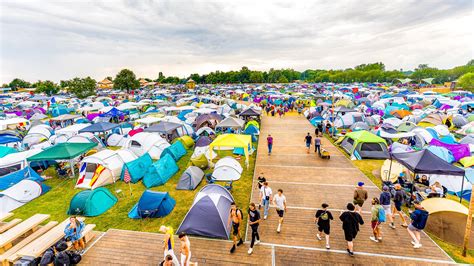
x=62 y=151
x=160 y=172
x=91 y=202
x=152 y=204
x=99 y=127
x=459 y=151
x=425 y=162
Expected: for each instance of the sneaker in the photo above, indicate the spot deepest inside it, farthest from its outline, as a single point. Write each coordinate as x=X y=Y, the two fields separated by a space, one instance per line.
x=264 y=217
x=250 y=251
x=232 y=250
x=279 y=227
x=417 y=246
x=318 y=237
x=392 y=226
x=413 y=243
x=257 y=242
x=380 y=239
x=404 y=225
x=350 y=253
x=328 y=247
x=374 y=239
x=240 y=242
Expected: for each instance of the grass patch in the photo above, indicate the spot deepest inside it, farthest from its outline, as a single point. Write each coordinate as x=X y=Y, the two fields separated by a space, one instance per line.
x=454 y=251
x=56 y=201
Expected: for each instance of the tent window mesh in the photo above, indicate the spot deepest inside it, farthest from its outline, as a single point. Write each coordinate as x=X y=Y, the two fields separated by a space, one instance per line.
x=371 y=147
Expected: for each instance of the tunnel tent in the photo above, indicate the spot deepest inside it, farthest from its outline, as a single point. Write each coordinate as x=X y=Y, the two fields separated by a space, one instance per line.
x=91 y=203
x=363 y=144
x=13 y=178
x=137 y=168
x=187 y=141
x=209 y=213
x=227 y=169
x=176 y=151
x=152 y=204
x=16 y=161
x=200 y=160
x=160 y=172
x=190 y=178
x=447 y=220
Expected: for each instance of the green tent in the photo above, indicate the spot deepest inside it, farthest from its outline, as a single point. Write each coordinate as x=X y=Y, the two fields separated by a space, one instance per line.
x=91 y=202
x=63 y=151
x=363 y=144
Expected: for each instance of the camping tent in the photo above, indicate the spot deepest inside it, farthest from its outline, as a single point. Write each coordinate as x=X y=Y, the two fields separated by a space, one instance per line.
x=102 y=168
x=187 y=141
x=190 y=178
x=168 y=128
x=234 y=141
x=152 y=204
x=11 y=179
x=145 y=142
x=137 y=168
x=447 y=220
x=227 y=169
x=91 y=202
x=231 y=122
x=4 y=151
x=20 y=194
x=209 y=213
x=176 y=151
x=99 y=127
x=363 y=144
x=16 y=161
x=160 y=172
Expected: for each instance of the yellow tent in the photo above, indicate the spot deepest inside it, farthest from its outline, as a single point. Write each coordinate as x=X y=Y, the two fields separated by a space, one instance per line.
x=252 y=122
x=395 y=169
x=235 y=141
x=344 y=102
x=467 y=161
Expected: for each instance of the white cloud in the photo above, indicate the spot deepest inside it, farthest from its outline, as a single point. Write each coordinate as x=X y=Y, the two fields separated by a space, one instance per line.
x=60 y=40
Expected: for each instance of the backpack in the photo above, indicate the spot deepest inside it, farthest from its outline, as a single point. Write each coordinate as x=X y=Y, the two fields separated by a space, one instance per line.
x=324 y=216
x=62 y=258
x=74 y=257
x=381 y=215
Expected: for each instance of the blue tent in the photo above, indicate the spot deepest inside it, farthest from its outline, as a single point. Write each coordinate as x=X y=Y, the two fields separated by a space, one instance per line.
x=8 y=138
x=99 y=127
x=137 y=168
x=251 y=130
x=11 y=179
x=152 y=204
x=114 y=112
x=176 y=151
x=209 y=214
x=160 y=172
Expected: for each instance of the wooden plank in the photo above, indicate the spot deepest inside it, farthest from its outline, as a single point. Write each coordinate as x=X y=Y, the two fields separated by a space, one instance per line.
x=9 y=225
x=42 y=243
x=16 y=232
x=4 y=216
x=11 y=254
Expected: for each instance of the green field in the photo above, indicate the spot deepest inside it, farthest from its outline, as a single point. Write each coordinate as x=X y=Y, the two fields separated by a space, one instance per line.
x=56 y=201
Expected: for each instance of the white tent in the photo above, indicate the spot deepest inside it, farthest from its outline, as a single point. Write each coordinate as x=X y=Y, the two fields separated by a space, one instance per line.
x=231 y=122
x=86 y=137
x=227 y=169
x=12 y=123
x=19 y=194
x=16 y=161
x=72 y=130
x=204 y=150
x=102 y=168
x=116 y=140
x=143 y=142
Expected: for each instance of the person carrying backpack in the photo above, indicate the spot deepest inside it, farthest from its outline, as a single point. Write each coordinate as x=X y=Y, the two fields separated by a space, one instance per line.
x=419 y=217
x=378 y=217
x=386 y=203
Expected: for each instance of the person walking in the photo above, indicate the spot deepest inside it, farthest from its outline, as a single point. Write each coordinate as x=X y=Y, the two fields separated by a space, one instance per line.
x=360 y=196
x=185 y=250
x=398 y=200
x=168 y=243
x=270 y=144
x=254 y=221
x=265 y=197
x=236 y=219
x=419 y=217
x=279 y=200
x=350 y=225
x=316 y=131
x=320 y=127
x=323 y=219
x=377 y=212
x=317 y=145
x=386 y=203
x=308 y=140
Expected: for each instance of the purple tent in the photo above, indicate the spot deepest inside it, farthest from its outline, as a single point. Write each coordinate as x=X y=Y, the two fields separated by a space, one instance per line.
x=459 y=151
x=91 y=116
x=203 y=141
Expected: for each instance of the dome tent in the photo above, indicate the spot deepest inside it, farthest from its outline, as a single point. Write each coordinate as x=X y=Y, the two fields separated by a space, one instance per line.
x=160 y=172
x=21 y=193
x=191 y=178
x=363 y=144
x=137 y=168
x=176 y=151
x=227 y=169
x=152 y=204
x=91 y=202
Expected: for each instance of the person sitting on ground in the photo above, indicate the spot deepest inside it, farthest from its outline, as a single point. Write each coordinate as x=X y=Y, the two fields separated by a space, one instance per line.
x=436 y=190
x=73 y=233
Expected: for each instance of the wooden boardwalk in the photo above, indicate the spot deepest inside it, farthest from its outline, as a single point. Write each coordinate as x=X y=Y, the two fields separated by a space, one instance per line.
x=307 y=181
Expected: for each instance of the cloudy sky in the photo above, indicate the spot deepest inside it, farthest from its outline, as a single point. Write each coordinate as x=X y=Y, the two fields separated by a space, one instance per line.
x=64 y=39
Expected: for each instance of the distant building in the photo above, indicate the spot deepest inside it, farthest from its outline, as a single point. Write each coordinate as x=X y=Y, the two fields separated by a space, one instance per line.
x=190 y=84
x=105 y=84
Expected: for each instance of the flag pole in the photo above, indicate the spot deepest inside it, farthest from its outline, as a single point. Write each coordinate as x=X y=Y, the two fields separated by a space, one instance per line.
x=130 y=187
x=467 y=233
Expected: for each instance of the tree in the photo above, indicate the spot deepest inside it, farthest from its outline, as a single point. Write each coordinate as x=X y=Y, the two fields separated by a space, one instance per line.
x=82 y=87
x=126 y=80
x=161 y=77
x=466 y=81
x=64 y=83
x=256 y=77
x=47 y=87
x=282 y=79
x=19 y=83
x=195 y=77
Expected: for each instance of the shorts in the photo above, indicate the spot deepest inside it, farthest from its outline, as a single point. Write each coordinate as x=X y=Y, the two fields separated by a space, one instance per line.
x=308 y=145
x=349 y=236
x=325 y=229
x=374 y=224
x=235 y=229
x=398 y=206
x=387 y=209
x=358 y=202
x=280 y=213
x=412 y=228
x=183 y=259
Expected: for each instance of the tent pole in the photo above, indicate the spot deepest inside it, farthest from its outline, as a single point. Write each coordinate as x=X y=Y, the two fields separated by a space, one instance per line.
x=72 y=168
x=467 y=233
x=390 y=168
x=462 y=190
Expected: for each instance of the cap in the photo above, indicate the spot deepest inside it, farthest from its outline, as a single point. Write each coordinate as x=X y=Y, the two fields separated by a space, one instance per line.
x=360 y=184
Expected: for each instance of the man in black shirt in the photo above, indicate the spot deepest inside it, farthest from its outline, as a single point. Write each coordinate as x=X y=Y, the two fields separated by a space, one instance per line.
x=254 y=221
x=308 y=140
x=323 y=218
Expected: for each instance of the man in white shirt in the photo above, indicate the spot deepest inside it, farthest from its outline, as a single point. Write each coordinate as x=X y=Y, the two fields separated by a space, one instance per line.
x=279 y=200
x=265 y=197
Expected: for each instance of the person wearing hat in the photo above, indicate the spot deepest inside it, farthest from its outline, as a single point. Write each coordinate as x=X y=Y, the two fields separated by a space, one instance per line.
x=398 y=200
x=419 y=217
x=323 y=218
x=360 y=196
x=385 y=202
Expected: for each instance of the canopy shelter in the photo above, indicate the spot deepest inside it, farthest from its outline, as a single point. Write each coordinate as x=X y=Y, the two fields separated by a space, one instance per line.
x=231 y=122
x=234 y=141
x=249 y=112
x=99 y=127
x=168 y=128
x=63 y=151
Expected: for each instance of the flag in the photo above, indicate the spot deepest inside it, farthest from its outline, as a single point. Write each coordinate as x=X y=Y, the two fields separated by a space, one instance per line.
x=126 y=176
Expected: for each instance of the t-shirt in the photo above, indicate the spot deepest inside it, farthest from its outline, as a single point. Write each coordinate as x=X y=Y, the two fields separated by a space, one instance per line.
x=308 y=139
x=360 y=194
x=266 y=191
x=350 y=221
x=323 y=217
x=279 y=201
x=260 y=181
x=317 y=141
x=399 y=196
x=270 y=140
x=254 y=215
